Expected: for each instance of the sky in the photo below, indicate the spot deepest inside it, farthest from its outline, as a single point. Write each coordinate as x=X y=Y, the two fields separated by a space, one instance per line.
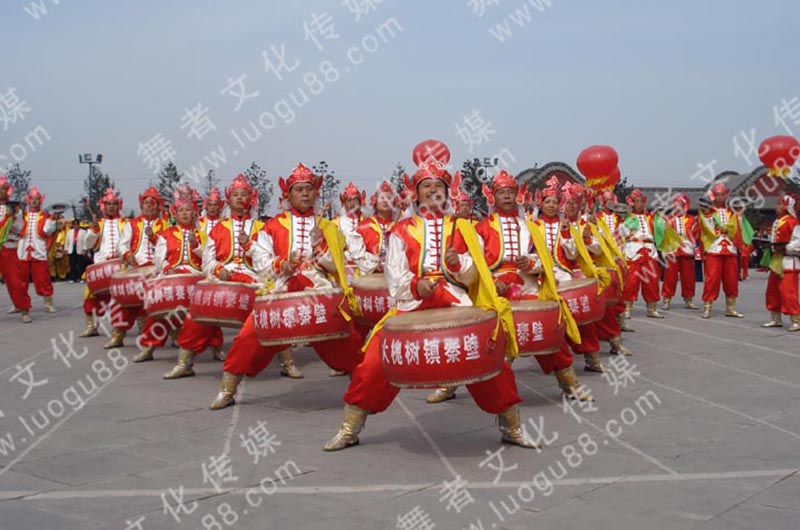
x=668 y=84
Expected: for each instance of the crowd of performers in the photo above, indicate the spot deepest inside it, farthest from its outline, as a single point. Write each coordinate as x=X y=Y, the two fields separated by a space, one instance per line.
x=435 y=262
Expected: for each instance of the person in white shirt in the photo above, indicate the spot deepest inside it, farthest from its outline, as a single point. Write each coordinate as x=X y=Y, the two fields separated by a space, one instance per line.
x=35 y=238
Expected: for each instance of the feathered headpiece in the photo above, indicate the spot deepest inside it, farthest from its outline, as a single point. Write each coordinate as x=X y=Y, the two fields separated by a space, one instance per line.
x=352 y=191
x=241 y=183
x=152 y=193
x=34 y=192
x=501 y=180
x=636 y=194
x=431 y=158
x=300 y=173
x=4 y=182
x=789 y=201
x=185 y=195
x=110 y=195
x=213 y=195
x=718 y=190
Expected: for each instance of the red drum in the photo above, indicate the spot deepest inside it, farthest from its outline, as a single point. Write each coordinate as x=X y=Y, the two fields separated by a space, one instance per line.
x=584 y=303
x=441 y=347
x=614 y=290
x=372 y=294
x=299 y=317
x=170 y=294
x=98 y=275
x=537 y=327
x=225 y=304
x=127 y=285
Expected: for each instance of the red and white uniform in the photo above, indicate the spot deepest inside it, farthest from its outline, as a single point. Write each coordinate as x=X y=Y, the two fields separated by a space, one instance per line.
x=782 y=294
x=642 y=257
x=207 y=223
x=505 y=238
x=106 y=242
x=680 y=263
x=287 y=236
x=416 y=250
x=368 y=246
x=10 y=266
x=222 y=250
x=721 y=261
x=137 y=244
x=34 y=242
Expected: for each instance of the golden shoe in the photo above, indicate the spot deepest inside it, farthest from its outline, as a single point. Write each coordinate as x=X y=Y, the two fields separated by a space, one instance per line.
x=444 y=393
x=25 y=317
x=91 y=328
x=352 y=423
x=511 y=430
x=730 y=308
x=665 y=305
x=336 y=373
x=689 y=303
x=623 y=324
x=288 y=367
x=145 y=355
x=48 y=305
x=184 y=366
x=707 y=309
x=776 y=322
x=227 y=391
x=617 y=348
x=628 y=310
x=652 y=310
x=116 y=340
x=795 y=323
x=593 y=363
x=570 y=385
x=217 y=354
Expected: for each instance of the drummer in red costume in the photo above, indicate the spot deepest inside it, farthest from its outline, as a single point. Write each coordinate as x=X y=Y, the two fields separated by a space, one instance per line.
x=10 y=226
x=294 y=252
x=227 y=256
x=138 y=240
x=570 y=241
x=681 y=262
x=38 y=228
x=212 y=207
x=784 y=265
x=427 y=266
x=608 y=220
x=178 y=250
x=368 y=245
x=644 y=270
x=515 y=264
x=719 y=229
x=104 y=237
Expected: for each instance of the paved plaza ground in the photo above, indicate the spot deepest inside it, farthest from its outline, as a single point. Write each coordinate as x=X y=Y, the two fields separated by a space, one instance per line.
x=701 y=430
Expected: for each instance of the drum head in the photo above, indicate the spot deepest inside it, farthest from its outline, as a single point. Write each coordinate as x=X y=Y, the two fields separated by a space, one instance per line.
x=576 y=284
x=310 y=293
x=370 y=282
x=533 y=305
x=149 y=270
x=448 y=317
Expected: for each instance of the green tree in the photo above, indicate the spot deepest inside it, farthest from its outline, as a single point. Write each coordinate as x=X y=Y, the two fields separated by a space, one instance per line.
x=210 y=182
x=96 y=189
x=472 y=180
x=397 y=178
x=168 y=180
x=20 y=180
x=258 y=179
x=330 y=186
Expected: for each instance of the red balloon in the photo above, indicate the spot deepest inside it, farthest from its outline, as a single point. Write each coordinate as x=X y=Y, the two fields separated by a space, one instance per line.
x=597 y=161
x=428 y=148
x=779 y=153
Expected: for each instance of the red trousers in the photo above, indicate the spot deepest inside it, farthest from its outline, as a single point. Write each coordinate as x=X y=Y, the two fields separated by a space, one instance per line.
x=248 y=357
x=744 y=262
x=12 y=274
x=720 y=269
x=608 y=326
x=643 y=272
x=198 y=337
x=682 y=266
x=589 y=341
x=371 y=391
x=555 y=361
x=782 y=293
x=157 y=330
x=41 y=276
